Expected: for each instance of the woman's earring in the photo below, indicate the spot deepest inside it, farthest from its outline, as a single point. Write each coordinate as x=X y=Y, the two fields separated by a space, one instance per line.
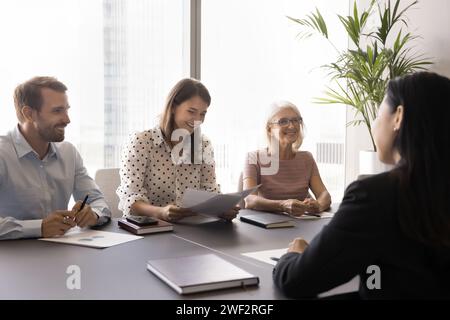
x=395 y=129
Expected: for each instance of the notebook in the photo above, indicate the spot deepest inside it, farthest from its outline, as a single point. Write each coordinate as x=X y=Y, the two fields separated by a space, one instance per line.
x=162 y=226
x=200 y=273
x=268 y=220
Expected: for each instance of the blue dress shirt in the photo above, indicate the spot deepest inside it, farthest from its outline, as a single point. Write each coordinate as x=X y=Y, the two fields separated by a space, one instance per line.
x=31 y=188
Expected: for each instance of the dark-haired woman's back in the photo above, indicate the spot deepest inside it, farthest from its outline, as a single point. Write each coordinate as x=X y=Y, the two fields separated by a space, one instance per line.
x=365 y=238
x=394 y=228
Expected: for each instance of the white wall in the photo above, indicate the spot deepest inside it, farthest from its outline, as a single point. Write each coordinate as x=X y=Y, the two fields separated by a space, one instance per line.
x=431 y=20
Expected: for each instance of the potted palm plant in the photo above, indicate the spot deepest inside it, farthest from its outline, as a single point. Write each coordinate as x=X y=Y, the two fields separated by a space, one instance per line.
x=361 y=72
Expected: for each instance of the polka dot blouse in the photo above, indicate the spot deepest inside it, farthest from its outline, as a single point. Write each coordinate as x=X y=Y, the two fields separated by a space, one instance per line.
x=148 y=173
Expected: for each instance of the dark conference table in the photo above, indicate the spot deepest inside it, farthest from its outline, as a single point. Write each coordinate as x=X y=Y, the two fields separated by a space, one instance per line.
x=32 y=269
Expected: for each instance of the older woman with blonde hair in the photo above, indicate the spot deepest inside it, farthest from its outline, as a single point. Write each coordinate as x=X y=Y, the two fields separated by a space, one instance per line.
x=286 y=174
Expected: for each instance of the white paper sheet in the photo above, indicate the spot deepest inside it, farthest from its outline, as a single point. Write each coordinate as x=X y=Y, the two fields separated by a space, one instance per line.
x=198 y=219
x=212 y=204
x=92 y=238
x=266 y=255
x=323 y=215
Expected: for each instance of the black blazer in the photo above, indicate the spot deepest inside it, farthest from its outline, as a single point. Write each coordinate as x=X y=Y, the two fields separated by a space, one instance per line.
x=365 y=231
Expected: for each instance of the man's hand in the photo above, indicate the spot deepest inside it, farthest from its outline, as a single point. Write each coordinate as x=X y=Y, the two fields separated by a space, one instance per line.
x=297 y=245
x=85 y=217
x=230 y=215
x=57 y=223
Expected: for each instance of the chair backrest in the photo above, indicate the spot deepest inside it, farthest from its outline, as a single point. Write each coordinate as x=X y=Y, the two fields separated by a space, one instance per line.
x=240 y=188
x=240 y=183
x=363 y=176
x=108 y=180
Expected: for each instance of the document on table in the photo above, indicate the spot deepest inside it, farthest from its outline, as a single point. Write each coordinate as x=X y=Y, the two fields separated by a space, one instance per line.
x=267 y=255
x=92 y=238
x=322 y=215
x=210 y=203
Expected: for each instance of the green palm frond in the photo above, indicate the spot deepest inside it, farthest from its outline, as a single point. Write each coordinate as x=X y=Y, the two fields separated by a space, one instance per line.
x=359 y=76
x=355 y=24
x=389 y=17
x=313 y=22
x=355 y=123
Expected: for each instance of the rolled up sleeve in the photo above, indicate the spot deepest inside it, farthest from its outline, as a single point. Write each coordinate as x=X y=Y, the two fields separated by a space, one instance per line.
x=11 y=228
x=85 y=185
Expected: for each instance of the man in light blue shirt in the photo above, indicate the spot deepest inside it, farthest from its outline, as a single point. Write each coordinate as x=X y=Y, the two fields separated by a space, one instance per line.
x=39 y=171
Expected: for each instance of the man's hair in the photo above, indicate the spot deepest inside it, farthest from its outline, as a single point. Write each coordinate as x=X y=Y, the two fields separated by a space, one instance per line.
x=29 y=93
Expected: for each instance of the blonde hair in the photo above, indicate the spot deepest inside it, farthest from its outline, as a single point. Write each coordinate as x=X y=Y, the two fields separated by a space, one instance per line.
x=276 y=107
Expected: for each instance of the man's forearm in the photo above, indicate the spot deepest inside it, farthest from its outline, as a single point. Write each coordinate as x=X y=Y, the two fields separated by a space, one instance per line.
x=11 y=228
x=260 y=203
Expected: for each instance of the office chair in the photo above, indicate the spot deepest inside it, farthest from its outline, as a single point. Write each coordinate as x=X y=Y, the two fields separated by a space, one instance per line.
x=108 y=181
x=363 y=176
x=240 y=188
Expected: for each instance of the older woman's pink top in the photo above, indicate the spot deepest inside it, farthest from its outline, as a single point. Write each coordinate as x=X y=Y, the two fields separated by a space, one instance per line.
x=292 y=181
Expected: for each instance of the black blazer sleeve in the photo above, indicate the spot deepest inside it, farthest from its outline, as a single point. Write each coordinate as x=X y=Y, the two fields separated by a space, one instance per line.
x=343 y=249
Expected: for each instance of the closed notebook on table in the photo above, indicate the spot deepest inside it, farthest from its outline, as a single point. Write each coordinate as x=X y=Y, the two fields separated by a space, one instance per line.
x=200 y=273
x=161 y=226
x=268 y=220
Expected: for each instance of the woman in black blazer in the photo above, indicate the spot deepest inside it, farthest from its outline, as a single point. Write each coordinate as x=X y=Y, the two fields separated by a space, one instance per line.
x=393 y=229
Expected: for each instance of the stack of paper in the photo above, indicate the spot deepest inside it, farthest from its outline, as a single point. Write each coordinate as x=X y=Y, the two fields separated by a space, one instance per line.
x=212 y=204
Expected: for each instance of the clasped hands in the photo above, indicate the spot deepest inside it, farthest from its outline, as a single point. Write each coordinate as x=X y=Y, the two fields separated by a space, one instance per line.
x=297 y=208
x=59 y=222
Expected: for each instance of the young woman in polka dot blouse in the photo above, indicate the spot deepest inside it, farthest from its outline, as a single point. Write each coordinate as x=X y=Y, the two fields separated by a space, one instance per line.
x=155 y=171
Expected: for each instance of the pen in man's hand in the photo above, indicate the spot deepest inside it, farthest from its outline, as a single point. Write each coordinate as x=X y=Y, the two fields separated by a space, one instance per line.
x=84 y=203
x=81 y=208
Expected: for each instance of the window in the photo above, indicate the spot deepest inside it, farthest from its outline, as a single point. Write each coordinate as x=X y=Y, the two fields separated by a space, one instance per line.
x=119 y=59
x=252 y=57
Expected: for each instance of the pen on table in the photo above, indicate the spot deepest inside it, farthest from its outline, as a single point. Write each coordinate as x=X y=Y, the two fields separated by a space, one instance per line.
x=312 y=214
x=274 y=258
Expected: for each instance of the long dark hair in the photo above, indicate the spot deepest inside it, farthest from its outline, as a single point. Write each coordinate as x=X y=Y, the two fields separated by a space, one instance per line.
x=423 y=142
x=185 y=89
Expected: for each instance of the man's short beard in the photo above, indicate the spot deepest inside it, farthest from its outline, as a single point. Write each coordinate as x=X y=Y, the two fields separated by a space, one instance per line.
x=50 y=135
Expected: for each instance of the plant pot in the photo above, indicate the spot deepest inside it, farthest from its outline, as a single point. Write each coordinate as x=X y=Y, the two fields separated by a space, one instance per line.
x=370 y=164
